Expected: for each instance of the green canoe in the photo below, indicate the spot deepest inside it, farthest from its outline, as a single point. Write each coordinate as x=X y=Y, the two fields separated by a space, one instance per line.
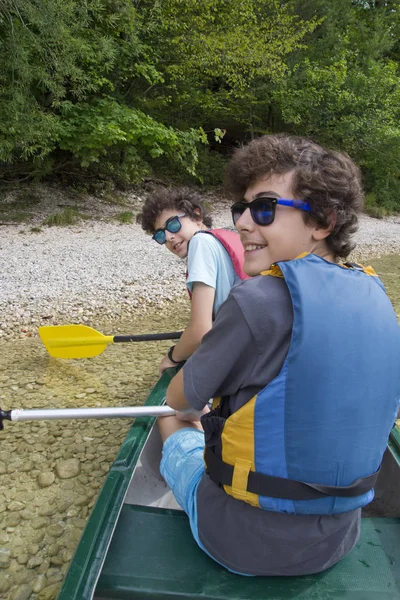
x=137 y=542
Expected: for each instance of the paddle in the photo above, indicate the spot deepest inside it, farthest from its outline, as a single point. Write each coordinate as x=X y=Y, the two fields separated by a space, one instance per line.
x=20 y=414
x=81 y=341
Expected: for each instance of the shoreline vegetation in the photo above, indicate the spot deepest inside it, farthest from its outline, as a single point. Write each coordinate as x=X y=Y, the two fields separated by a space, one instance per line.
x=95 y=94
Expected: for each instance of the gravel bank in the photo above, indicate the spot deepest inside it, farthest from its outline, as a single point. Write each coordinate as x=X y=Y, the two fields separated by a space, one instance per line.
x=78 y=273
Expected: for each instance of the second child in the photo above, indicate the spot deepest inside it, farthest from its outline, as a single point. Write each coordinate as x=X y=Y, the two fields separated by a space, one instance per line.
x=174 y=217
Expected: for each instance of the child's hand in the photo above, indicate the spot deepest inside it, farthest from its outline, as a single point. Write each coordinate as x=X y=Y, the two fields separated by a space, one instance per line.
x=191 y=415
x=165 y=364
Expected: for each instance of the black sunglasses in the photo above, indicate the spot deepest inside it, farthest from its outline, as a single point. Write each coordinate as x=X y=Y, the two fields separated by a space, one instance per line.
x=173 y=225
x=262 y=210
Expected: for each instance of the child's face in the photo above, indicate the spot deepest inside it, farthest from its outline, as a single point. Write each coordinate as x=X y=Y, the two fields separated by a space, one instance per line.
x=285 y=238
x=177 y=243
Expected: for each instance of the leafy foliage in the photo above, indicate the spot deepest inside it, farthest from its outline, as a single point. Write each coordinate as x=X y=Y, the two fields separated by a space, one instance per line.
x=121 y=89
x=65 y=68
x=344 y=91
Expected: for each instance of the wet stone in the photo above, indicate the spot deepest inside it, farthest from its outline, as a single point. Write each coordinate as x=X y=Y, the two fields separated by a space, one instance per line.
x=45 y=479
x=56 y=530
x=47 y=510
x=4 y=558
x=82 y=501
x=27 y=576
x=4 y=538
x=33 y=549
x=56 y=560
x=37 y=537
x=44 y=567
x=49 y=592
x=27 y=466
x=69 y=468
x=34 y=561
x=53 y=549
x=78 y=522
x=67 y=485
x=54 y=575
x=63 y=505
x=15 y=506
x=5 y=583
x=39 y=583
x=22 y=592
x=66 y=555
x=12 y=519
x=40 y=522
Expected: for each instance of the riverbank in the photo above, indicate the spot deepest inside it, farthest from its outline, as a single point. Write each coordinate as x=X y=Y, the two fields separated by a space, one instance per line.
x=98 y=270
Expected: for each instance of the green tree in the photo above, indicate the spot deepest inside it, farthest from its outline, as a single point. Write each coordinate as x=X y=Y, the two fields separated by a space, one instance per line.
x=65 y=67
x=218 y=58
x=343 y=89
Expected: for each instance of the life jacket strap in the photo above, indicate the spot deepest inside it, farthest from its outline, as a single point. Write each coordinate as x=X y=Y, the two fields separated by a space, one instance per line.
x=222 y=474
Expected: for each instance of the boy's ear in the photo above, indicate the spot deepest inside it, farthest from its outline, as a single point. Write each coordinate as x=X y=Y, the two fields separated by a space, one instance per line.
x=197 y=212
x=321 y=233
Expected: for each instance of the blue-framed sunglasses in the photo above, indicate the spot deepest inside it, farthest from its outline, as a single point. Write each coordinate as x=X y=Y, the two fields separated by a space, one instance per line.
x=262 y=210
x=173 y=225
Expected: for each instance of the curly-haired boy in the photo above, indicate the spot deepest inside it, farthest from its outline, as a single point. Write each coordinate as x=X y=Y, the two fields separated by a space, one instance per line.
x=303 y=363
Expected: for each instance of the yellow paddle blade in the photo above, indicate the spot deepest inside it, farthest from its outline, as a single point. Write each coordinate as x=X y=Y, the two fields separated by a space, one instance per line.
x=73 y=341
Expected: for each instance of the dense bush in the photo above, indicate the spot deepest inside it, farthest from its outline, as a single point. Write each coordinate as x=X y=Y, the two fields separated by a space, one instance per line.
x=123 y=89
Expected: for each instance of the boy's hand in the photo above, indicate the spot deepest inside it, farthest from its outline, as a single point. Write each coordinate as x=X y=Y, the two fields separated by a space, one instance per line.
x=165 y=364
x=191 y=415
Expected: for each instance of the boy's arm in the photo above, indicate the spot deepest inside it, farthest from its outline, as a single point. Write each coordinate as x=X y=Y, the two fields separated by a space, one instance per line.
x=175 y=397
x=200 y=322
x=227 y=353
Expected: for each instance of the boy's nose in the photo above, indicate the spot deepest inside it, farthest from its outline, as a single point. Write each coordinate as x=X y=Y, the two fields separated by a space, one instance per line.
x=169 y=236
x=245 y=221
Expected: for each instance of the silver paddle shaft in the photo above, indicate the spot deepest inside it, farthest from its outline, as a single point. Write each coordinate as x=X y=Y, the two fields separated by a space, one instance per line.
x=20 y=414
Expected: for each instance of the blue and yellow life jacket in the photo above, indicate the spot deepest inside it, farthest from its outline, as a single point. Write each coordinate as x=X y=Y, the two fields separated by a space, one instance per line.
x=311 y=441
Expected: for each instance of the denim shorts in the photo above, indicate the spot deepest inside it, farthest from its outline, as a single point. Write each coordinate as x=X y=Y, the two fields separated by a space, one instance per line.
x=182 y=466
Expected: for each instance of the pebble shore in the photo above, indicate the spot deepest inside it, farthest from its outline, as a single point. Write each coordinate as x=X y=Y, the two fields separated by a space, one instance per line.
x=101 y=268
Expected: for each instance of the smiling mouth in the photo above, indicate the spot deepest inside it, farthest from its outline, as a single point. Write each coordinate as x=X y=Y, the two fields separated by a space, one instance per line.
x=253 y=247
x=178 y=245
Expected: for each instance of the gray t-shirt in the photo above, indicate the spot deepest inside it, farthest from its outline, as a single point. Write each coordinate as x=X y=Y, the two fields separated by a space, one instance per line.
x=241 y=354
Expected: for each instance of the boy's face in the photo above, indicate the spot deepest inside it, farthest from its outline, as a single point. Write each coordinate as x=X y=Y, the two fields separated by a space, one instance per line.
x=177 y=243
x=285 y=238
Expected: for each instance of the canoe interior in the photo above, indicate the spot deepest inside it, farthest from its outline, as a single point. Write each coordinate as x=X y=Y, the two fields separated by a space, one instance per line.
x=138 y=545
x=147 y=487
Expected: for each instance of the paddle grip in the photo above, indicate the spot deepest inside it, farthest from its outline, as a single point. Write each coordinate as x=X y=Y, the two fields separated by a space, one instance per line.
x=4 y=414
x=148 y=337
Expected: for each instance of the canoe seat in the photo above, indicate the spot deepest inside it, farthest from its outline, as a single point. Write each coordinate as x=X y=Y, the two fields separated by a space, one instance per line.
x=152 y=556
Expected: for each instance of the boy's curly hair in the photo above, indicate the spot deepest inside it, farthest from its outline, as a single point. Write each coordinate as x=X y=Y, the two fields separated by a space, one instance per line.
x=329 y=181
x=180 y=199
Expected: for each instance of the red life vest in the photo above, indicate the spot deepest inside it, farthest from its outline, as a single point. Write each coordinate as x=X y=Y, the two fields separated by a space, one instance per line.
x=232 y=244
